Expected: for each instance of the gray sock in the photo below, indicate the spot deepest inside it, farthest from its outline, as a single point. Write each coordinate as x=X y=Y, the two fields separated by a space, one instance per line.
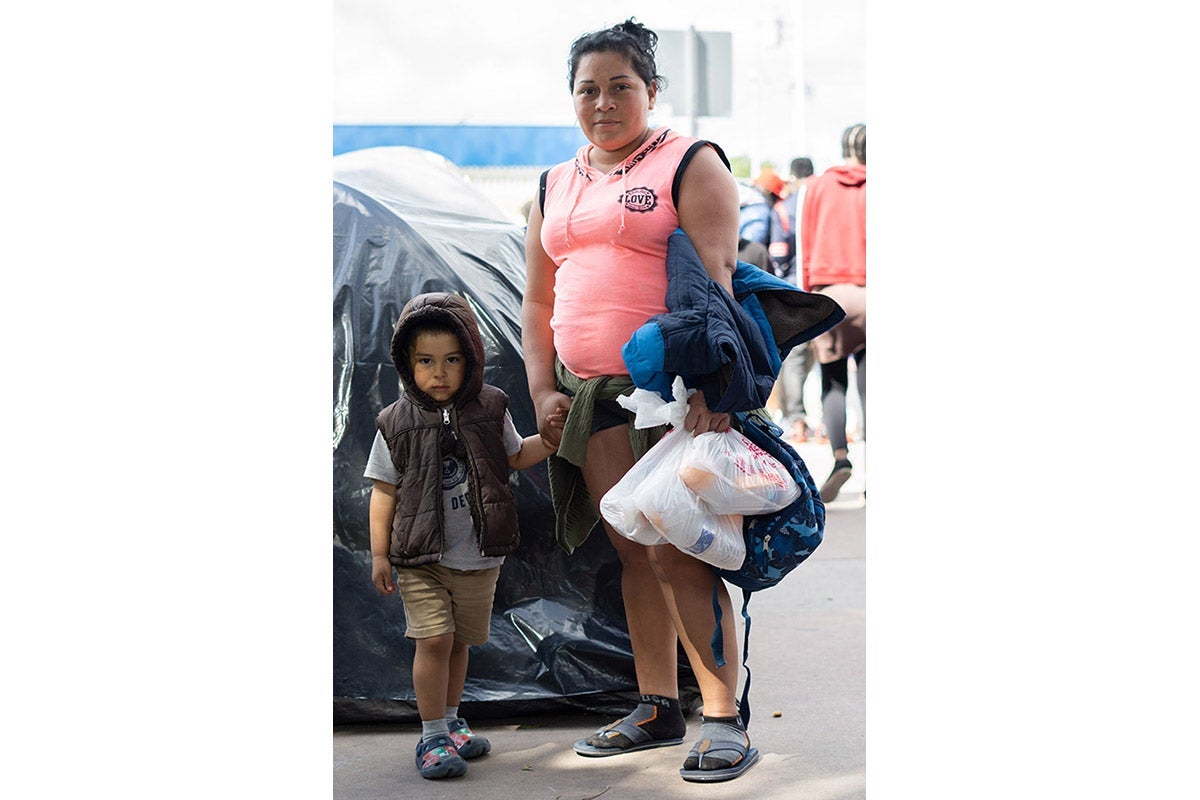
x=434 y=727
x=716 y=730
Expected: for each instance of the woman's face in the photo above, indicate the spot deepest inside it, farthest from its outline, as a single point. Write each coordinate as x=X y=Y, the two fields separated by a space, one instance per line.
x=611 y=102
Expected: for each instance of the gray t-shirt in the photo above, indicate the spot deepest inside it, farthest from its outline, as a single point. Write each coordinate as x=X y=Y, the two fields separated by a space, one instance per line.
x=461 y=550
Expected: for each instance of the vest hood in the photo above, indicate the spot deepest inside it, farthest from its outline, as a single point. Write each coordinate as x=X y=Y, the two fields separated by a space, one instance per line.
x=440 y=309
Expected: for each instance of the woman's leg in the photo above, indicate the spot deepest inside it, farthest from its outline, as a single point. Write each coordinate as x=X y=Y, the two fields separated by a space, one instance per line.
x=651 y=632
x=834 y=383
x=860 y=363
x=687 y=587
x=723 y=751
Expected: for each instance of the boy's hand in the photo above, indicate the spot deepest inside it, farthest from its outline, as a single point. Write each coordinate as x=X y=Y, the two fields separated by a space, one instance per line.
x=551 y=410
x=381 y=575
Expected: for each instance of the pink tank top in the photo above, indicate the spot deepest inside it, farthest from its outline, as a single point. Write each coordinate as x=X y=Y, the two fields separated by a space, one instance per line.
x=607 y=236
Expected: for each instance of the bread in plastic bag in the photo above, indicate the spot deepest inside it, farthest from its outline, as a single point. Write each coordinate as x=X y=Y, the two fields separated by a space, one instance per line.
x=735 y=476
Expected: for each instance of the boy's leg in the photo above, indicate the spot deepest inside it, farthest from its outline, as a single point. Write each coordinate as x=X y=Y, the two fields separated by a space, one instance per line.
x=427 y=610
x=473 y=592
x=456 y=678
x=431 y=675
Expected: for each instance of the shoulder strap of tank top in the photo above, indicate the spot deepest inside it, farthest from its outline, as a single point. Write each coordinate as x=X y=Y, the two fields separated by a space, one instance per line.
x=542 y=192
x=687 y=159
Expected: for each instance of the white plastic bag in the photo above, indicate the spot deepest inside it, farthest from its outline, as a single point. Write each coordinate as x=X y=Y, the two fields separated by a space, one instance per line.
x=651 y=505
x=617 y=506
x=735 y=476
x=717 y=540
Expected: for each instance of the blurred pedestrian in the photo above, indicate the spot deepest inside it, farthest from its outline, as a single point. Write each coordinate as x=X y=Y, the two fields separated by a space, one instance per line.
x=754 y=253
x=761 y=217
x=833 y=240
x=799 y=363
x=780 y=240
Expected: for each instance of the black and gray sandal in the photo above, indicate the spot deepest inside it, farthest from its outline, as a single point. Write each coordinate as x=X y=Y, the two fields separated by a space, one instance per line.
x=622 y=736
x=713 y=760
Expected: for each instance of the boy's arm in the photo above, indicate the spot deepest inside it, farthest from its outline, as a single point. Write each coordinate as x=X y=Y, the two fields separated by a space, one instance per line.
x=383 y=508
x=534 y=449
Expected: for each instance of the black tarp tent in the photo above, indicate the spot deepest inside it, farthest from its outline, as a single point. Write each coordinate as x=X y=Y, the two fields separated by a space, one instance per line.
x=407 y=221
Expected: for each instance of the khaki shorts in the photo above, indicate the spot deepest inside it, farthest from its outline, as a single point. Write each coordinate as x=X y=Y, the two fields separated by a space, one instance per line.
x=439 y=600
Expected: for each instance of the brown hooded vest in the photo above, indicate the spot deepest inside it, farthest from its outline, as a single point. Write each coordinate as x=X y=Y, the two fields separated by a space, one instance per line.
x=412 y=428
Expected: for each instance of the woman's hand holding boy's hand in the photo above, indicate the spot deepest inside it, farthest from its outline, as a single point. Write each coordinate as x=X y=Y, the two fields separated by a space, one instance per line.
x=552 y=410
x=381 y=575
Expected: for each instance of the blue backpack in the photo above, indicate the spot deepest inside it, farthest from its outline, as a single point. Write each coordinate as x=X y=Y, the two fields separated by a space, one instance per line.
x=775 y=543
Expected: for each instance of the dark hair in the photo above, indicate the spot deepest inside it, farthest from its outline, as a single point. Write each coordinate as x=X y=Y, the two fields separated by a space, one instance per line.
x=802 y=167
x=631 y=39
x=854 y=142
x=431 y=327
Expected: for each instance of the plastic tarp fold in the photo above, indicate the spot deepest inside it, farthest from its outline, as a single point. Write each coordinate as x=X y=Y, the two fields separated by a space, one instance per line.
x=407 y=221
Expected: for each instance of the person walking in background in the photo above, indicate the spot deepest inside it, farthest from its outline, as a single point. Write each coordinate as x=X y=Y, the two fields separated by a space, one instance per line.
x=779 y=238
x=833 y=242
x=596 y=252
x=442 y=515
x=760 y=217
x=793 y=200
x=799 y=363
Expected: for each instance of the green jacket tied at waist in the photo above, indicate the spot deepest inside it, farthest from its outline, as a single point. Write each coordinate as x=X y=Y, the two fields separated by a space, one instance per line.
x=575 y=512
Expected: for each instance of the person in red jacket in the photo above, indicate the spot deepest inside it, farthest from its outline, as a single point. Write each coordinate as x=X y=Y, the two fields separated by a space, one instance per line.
x=833 y=236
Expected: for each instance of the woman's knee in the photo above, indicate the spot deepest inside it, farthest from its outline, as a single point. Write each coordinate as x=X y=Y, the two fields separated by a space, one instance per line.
x=631 y=554
x=672 y=566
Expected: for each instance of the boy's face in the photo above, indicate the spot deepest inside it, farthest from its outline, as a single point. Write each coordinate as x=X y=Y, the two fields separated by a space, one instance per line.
x=438 y=364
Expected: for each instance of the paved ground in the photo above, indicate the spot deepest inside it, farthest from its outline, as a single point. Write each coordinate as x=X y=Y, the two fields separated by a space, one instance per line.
x=807 y=656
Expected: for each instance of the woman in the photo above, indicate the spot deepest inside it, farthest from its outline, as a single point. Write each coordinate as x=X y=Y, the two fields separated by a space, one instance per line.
x=596 y=252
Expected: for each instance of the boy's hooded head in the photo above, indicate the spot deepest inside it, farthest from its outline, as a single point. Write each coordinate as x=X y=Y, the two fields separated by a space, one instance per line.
x=438 y=311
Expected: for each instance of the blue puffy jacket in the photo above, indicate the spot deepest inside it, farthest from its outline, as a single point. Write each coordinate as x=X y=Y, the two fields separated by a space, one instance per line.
x=730 y=348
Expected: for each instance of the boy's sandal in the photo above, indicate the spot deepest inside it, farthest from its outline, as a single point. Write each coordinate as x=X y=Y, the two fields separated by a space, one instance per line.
x=468 y=743
x=438 y=758
x=624 y=736
x=739 y=756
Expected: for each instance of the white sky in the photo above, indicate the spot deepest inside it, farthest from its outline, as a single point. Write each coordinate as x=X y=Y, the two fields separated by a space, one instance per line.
x=505 y=63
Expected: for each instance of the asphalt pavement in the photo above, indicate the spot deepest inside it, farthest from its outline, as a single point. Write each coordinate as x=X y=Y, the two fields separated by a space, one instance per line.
x=807 y=697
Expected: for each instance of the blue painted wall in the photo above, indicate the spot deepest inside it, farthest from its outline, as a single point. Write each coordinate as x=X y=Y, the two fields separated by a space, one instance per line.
x=469 y=145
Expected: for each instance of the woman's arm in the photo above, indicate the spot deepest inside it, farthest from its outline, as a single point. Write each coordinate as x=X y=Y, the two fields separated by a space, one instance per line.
x=537 y=340
x=708 y=214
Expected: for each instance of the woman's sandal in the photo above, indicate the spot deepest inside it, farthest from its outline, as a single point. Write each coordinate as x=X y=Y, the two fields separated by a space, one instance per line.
x=637 y=738
x=739 y=755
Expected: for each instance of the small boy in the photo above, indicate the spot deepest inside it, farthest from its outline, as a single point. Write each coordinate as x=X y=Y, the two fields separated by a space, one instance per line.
x=442 y=512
